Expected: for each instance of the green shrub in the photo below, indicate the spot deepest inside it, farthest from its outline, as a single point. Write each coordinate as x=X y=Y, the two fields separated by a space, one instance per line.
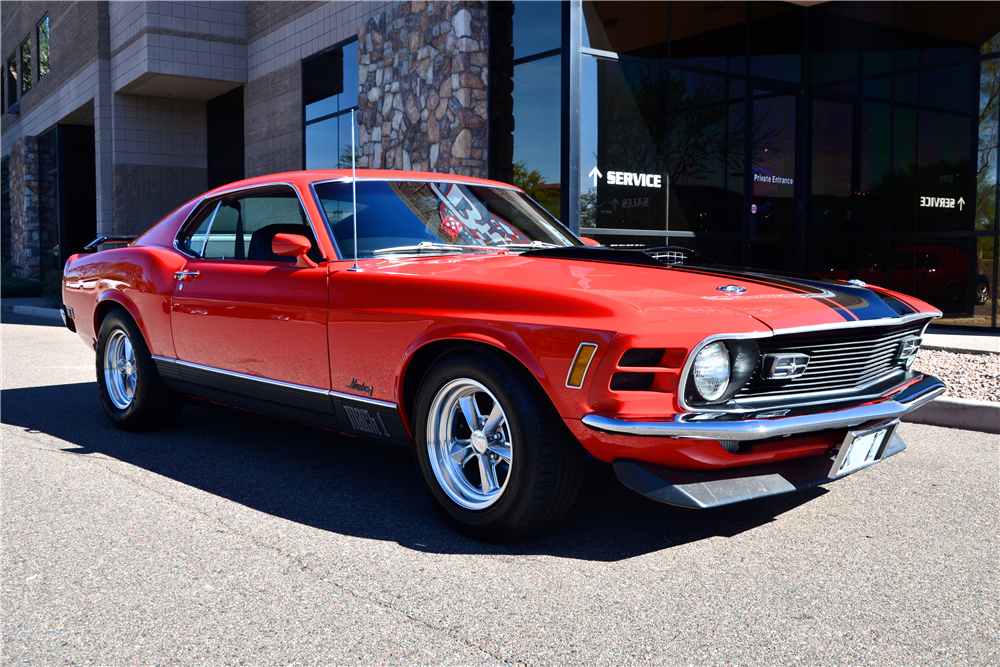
x=12 y=287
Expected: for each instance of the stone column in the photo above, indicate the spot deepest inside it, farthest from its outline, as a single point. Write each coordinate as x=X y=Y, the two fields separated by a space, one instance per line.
x=25 y=218
x=424 y=73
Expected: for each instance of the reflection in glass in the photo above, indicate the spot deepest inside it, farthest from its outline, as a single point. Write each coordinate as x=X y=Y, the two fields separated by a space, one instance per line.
x=986 y=154
x=537 y=27
x=776 y=41
x=11 y=82
x=42 y=32
x=537 y=137
x=709 y=36
x=330 y=92
x=26 y=66
x=706 y=154
x=330 y=82
x=328 y=143
x=832 y=140
x=873 y=192
x=772 y=212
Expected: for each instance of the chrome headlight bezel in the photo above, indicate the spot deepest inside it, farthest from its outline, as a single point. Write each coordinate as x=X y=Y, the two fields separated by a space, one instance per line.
x=743 y=355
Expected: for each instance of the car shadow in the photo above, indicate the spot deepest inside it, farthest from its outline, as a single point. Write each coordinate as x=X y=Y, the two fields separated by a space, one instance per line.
x=360 y=487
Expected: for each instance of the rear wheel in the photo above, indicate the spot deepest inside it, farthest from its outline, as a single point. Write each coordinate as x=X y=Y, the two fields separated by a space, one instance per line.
x=496 y=459
x=982 y=294
x=132 y=392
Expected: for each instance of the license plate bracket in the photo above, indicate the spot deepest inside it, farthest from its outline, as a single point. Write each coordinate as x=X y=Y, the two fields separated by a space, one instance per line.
x=862 y=448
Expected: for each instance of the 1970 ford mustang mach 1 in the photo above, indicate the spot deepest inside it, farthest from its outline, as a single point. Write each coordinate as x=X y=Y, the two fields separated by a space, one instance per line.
x=456 y=316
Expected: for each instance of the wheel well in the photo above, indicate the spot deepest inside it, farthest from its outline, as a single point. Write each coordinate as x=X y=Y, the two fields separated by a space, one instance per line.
x=105 y=307
x=425 y=357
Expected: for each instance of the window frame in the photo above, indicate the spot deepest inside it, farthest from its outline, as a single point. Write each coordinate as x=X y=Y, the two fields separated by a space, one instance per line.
x=335 y=47
x=215 y=198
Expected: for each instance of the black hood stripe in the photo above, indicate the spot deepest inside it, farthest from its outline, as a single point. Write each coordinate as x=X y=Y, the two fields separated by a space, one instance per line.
x=777 y=283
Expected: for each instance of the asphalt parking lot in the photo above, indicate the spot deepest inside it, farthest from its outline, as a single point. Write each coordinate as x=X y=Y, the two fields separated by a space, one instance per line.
x=238 y=539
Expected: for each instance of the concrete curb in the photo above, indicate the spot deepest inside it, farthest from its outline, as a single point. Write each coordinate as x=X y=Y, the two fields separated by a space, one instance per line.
x=35 y=311
x=982 y=416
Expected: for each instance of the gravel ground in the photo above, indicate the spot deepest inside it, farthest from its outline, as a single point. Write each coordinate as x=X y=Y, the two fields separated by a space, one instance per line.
x=973 y=376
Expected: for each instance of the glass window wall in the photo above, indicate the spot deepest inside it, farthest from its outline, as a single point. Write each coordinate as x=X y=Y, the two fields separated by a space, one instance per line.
x=330 y=91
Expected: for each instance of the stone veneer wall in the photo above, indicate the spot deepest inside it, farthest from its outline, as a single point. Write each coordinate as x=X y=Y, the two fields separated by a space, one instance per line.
x=5 y=210
x=32 y=206
x=423 y=101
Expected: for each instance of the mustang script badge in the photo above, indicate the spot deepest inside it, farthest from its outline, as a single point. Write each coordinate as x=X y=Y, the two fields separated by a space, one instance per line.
x=359 y=386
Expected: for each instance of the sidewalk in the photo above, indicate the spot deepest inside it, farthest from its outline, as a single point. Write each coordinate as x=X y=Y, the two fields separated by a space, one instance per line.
x=936 y=338
x=32 y=307
x=949 y=412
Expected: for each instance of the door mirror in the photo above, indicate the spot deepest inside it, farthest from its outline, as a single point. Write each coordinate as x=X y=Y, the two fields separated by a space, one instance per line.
x=293 y=245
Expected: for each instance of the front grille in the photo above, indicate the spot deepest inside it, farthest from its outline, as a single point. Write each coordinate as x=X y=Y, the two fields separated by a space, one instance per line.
x=838 y=361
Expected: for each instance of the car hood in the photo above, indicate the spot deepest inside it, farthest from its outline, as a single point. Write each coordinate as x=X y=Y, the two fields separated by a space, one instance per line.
x=612 y=294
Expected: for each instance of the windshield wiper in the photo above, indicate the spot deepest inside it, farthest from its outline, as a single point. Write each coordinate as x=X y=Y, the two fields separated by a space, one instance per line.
x=533 y=244
x=428 y=247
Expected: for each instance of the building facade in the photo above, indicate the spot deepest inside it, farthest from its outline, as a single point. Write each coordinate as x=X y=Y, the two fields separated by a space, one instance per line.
x=833 y=139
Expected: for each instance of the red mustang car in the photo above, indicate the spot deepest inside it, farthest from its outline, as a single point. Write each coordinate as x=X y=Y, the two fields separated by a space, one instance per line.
x=456 y=316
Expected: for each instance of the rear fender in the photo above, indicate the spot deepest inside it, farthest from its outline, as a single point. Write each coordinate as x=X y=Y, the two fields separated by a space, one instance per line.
x=107 y=300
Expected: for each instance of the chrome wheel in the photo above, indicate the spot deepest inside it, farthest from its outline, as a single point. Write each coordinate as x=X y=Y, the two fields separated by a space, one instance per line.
x=982 y=294
x=469 y=444
x=120 y=369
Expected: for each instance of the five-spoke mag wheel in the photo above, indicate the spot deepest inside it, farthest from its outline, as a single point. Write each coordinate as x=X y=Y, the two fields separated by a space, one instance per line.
x=495 y=457
x=469 y=443
x=131 y=389
x=120 y=369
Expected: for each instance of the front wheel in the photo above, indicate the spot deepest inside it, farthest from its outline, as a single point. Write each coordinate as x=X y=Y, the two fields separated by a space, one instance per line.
x=132 y=392
x=496 y=459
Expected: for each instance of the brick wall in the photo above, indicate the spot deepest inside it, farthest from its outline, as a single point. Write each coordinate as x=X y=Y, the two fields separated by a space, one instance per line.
x=202 y=40
x=79 y=36
x=280 y=35
x=423 y=76
x=160 y=158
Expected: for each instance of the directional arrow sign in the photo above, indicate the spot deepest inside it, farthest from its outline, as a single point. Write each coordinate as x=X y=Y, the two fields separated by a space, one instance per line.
x=961 y=203
x=614 y=204
x=595 y=174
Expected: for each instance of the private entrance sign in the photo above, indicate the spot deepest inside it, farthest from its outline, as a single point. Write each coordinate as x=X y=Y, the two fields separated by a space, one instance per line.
x=942 y=202
x=628 y=178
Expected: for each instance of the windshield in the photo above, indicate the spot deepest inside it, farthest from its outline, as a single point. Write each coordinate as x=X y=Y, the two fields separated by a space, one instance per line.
x=401 y=215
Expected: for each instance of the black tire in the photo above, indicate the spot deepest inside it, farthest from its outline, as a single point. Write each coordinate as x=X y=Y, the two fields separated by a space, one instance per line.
x=134 y=397
x=982 y=294
x=538 y=482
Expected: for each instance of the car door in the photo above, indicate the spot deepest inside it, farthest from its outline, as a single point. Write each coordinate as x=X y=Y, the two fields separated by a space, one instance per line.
x=238 y=307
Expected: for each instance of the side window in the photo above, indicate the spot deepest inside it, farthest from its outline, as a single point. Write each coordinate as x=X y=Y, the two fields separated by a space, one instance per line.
x=243 y=227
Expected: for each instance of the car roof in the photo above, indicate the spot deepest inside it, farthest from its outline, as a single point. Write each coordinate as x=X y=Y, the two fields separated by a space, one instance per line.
x=303 y=178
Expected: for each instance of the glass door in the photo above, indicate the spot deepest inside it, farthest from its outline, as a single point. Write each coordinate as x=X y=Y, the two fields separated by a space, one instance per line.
x=770 y=225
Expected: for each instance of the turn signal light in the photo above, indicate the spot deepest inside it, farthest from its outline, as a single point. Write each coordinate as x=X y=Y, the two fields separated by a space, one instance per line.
x=581 y=362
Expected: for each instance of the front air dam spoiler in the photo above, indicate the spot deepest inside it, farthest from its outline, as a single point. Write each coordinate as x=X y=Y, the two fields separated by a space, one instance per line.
x=701 y=489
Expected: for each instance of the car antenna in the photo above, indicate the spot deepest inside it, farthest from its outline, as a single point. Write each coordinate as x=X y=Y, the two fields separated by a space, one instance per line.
x=354 y=196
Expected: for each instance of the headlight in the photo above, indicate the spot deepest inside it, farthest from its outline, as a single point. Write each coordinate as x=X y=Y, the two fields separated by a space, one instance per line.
x=711 y=371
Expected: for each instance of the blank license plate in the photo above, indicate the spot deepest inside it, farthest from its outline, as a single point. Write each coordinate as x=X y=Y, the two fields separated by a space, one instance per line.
x=863 y=448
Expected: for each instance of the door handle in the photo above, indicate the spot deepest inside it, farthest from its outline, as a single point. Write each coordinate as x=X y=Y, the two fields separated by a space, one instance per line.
x=184 y=275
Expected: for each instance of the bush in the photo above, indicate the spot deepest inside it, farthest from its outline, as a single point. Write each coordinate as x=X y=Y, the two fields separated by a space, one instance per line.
x=12 y=287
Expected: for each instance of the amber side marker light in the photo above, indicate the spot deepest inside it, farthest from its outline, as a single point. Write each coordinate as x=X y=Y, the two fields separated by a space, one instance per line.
x=581 y=362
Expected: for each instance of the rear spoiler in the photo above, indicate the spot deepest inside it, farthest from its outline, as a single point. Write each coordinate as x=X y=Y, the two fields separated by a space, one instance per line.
x=109 y=239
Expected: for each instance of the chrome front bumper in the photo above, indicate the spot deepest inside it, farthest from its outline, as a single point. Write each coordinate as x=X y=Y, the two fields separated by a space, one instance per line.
x=705 y=427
